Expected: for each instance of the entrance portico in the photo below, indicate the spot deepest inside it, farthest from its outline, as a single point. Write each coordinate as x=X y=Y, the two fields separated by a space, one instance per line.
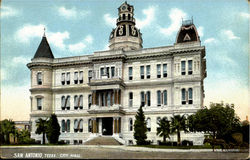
x=106 y=125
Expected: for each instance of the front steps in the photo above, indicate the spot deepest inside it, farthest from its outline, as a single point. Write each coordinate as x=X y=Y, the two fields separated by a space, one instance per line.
x=102 y=141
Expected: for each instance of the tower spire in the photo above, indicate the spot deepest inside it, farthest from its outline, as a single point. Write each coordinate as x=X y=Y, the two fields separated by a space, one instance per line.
x=44 y=32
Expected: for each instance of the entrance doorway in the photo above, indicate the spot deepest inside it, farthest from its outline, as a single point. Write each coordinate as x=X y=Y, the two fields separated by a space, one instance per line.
x=107 y=126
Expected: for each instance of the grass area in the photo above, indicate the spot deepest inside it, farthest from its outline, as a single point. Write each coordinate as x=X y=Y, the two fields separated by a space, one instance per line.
x=178 y=147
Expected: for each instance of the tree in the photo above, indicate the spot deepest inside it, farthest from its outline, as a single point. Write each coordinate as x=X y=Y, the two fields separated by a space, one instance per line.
x=7 y=127
x=164 y=128
x=178 y=124
x=140 y=128
x=41 y=125
x=24 y=137
x=53 y=129
x=219 y=121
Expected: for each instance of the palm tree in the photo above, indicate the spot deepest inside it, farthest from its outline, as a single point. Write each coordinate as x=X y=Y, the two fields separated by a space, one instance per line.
x=164 y=129
x=41 y=125
x=178 y=124
x=7 y=127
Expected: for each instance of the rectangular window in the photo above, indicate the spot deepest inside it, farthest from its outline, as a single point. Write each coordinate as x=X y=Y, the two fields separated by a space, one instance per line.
x=76 y=77
x=190 y=96
x=165 y=74
x=68 y=103
x=112 y=71
x=142 y=72
x=102 y=71
x=148 y=98
x=165 y=96
x=63 y=103
x=130 y=73
x=183 y=67
x=68 y=78
x=39 y=78
x=68 y=125
x=39 y=103
x=63 y=78
x=90 y=75
x=81 y=77
x=190 y=67
x=107 y=72
x=148 y=71
x=130 y=99
x=158 y=70
x=158 y=98
x=142 y=99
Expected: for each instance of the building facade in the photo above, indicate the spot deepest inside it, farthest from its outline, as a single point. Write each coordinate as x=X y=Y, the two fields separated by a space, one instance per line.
x=100 y=93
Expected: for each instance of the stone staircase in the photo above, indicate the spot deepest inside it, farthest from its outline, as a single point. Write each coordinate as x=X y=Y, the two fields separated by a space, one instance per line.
x=102 y=141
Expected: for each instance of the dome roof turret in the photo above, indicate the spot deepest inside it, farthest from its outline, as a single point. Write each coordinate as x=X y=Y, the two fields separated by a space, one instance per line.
x=125 y=36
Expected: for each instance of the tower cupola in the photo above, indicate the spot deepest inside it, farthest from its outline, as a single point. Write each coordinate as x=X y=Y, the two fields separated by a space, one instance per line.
x=125 y=36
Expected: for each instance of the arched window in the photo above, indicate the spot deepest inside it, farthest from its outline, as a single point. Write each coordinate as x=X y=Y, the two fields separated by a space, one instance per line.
x=123 y=16
x=149 y=124
x=130 y=126
x=158 y=98
x=81 y=102
x=63 y=104
x=142 y=99
x=128 y=16
x=158 y=121
x=80 y=125
x=68 y=126
x=75 y=102
x=39 y=78
x=63 y=126
x=190 y=96
x=148 y=98
x=183 y=96
x=75 y=125
x=68 y=103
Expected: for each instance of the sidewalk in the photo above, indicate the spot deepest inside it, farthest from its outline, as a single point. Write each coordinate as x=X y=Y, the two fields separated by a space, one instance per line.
x=128 y=148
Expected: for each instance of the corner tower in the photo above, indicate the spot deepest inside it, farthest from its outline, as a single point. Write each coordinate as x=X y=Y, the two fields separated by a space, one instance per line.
x=125 y=36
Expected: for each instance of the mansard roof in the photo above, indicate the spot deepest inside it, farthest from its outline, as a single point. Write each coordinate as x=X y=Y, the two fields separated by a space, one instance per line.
x=44 y=49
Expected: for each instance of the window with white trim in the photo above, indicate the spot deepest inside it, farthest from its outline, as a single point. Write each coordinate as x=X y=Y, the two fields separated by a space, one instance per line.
x=63 y=103
x=68 y=126
x=158 y=98
x=68 y=103
x=148 y=98
x=158 y=66
x=165 y=74
x=90 y=75
x=63 y=78
x=130 y=99
x=142 y=99
x=39 y=78
x=183 y=96
x=68 y=77
x=190 y=96
x=190 y=67
x=165 y=97
x=112 y=72
x=63 y=124
x=90 y=125
x=80 y=102
x=148 y=71
x=142 y=72
x=80 y=125
x=158 y=119
x=76 y=125
x=183 y=67
x=75 y=77
x=76 y=102
x=130 y=73
x=81 y=77
x=39 y=103
x=89 y=100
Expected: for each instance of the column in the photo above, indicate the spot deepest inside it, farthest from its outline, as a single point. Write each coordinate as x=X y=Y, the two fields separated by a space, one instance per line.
x=117 y=123
x=94 y=125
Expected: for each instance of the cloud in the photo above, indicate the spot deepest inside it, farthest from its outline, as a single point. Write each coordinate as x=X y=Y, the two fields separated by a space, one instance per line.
x=80 y=46
x=200 y=31
x=210 y=40
x=175 y=16
x=150 y=15
x=229 y=34
x=111 y=21
x=29 y=32
x=57 y=39
x=244 y=15
x=71 y=13
x=4 y=74
x=7 y=11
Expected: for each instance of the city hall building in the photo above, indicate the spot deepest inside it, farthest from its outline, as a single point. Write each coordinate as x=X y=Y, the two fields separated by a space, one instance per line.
x=99 y=94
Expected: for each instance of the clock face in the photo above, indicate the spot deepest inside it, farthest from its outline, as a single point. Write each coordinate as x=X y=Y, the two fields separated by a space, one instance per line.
x=124 y=7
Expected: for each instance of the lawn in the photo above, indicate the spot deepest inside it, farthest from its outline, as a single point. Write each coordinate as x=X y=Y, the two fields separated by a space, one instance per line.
x=178 y=147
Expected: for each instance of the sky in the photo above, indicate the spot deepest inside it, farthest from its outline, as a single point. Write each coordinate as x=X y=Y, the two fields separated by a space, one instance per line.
x=80 y=27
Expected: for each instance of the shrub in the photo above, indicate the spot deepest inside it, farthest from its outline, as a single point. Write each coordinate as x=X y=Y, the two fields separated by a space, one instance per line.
x=61 y=142
x=174 y=143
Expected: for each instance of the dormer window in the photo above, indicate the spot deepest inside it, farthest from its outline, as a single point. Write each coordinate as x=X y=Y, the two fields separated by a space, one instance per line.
x=39 y=78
